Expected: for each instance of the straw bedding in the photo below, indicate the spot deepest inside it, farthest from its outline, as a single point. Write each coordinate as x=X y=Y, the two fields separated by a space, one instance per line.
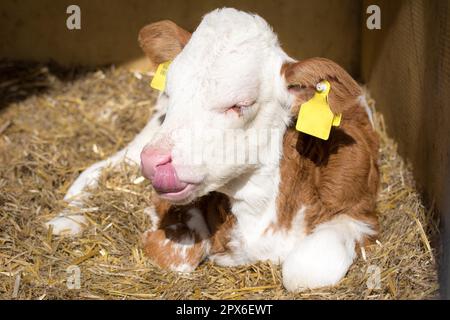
x=53 y=125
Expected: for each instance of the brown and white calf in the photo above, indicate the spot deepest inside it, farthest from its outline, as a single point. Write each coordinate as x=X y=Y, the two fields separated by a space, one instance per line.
x=275 y=193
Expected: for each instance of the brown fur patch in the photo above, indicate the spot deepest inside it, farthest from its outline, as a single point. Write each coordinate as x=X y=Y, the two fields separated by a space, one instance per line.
x=302 y=78
x=162 y=41
x=337 y=176
x=173 y=227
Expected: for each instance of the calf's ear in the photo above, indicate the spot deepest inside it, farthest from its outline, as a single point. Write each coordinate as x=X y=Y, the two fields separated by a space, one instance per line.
x=162 y=41
x=302 y=77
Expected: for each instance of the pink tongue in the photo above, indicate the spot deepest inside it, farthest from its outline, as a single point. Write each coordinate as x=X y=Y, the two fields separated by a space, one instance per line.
x=165 y=179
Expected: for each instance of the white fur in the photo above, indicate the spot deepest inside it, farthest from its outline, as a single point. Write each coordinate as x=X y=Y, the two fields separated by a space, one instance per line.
x=154 y=218
x=70 y=225
x=182 y=268
x=323 y=257
x=253 y=202
x=232 y=57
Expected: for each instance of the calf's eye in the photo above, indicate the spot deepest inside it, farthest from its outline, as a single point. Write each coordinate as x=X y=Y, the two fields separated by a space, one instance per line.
x=240 y=108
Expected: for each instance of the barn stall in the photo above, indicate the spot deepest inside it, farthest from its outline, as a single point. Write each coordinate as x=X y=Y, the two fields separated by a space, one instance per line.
x=80 y=95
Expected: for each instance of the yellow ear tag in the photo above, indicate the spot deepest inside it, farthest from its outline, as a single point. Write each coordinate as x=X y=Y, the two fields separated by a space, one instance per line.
x=315 y=116
x=159 y=79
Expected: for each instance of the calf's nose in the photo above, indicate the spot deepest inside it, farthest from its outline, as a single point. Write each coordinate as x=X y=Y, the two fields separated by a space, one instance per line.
x=156 y=165
x=151 y=158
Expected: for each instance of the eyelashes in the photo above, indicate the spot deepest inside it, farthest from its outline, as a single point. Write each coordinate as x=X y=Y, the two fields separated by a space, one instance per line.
x=240 y=108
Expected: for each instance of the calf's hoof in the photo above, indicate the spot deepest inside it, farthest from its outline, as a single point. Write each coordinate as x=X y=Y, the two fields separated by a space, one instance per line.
x=70 y=225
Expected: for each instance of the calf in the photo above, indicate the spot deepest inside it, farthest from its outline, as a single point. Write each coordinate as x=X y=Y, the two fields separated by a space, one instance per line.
x=303 y=202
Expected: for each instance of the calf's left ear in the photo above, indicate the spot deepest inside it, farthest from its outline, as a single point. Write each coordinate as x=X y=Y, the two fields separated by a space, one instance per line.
x=302 y=77
x=162 y=41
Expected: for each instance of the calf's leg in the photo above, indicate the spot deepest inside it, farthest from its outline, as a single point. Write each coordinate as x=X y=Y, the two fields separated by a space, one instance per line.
x=323 y=257
x=180 y=242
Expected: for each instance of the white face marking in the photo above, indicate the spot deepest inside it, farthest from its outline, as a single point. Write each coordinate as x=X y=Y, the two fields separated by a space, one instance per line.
x=227 y=80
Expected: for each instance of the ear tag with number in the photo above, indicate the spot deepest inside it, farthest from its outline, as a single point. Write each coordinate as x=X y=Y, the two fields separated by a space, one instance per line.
x=159 y=79
x=315 y=116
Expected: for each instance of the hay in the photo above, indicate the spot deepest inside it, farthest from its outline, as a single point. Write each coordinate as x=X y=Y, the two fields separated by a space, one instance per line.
x=48 y=139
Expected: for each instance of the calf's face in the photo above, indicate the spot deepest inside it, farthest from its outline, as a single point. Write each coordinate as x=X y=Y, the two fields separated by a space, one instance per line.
x=226 y=103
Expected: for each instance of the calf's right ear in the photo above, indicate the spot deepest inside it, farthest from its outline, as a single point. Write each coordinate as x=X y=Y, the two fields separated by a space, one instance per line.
x=162 y=41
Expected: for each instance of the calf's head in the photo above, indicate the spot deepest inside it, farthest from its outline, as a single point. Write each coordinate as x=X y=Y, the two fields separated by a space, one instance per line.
x=227 y=103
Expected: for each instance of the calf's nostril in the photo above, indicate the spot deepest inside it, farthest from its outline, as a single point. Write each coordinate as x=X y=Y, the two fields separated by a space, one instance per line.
x=152 y=158
x=164 y=160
